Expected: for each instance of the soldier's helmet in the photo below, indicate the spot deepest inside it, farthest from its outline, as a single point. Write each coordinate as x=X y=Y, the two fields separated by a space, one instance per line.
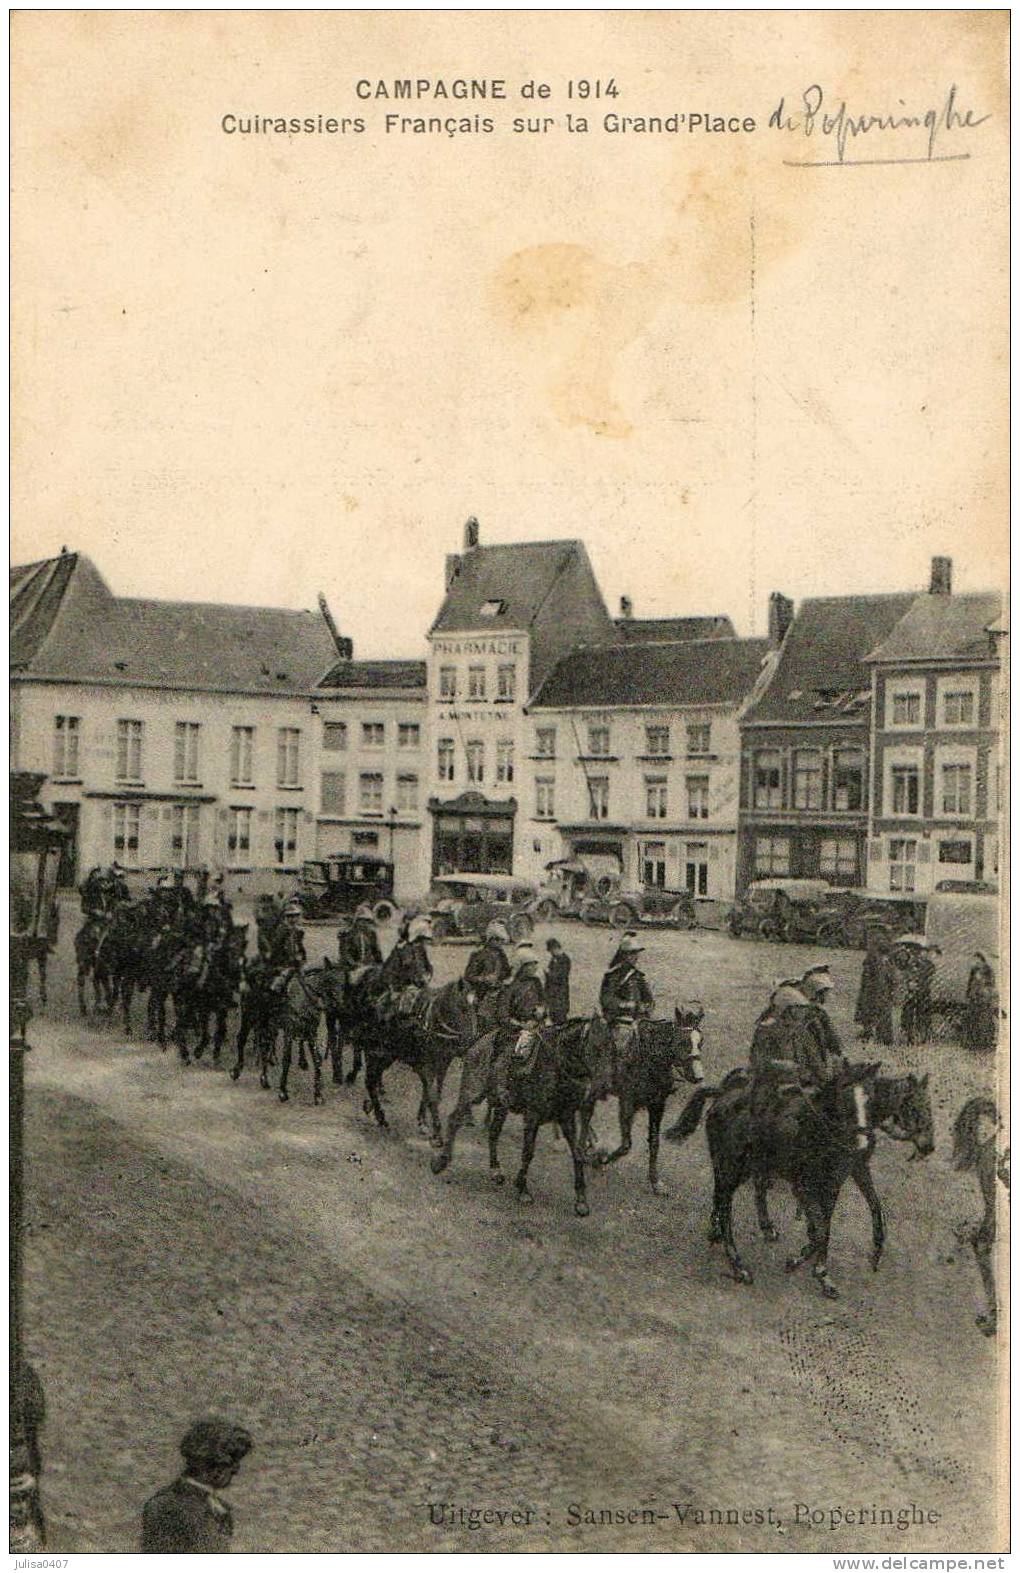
x=419 y=928
x=291 y=910
x=629 y=946
x=495 y=930
x=524 y=956
x=215 y=1443
x=816 y=982
x=211 y=902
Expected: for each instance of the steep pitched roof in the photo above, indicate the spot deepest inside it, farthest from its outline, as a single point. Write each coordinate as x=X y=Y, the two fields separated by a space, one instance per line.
x=92 y=634
x=517 y=577
x=39 y=591
x=660 y=630
x=375 y=674
x=696 y=672
x=820 y=674
x=943 y=628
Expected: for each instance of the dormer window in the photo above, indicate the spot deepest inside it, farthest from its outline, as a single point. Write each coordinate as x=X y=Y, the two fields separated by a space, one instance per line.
x=492 y=608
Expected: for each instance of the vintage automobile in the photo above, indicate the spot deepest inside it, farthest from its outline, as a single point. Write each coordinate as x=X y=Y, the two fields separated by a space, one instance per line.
x=805 y=911
x=465 y=904
x=650 y=904
x=900 y=914
x=343 y=882
x=569 y=884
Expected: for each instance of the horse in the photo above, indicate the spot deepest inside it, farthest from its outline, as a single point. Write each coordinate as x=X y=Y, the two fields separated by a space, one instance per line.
x=441 y=1025
x=667 y=1054
x=550 y=1086
x=156 y=969
x=218 y=993
x=354 y=1021
x=972 y=1151
x=307 y=995
x=88 y=944
x=899 y=1107
x=261 y=1006
x=810 y=1138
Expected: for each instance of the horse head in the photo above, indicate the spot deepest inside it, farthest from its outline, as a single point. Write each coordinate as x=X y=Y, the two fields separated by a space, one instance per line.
x=906 y=1113
x=687 y=1038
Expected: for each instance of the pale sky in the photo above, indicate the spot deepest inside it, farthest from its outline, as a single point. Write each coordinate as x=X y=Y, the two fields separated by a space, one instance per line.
x=248 y=368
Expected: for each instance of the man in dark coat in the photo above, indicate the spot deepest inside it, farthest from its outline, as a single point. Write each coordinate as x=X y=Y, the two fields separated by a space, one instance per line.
x=557 y=982
x=625 y=997
x=874 y=1013
x=359 y=946
x=189 y=1516
x=487 y=967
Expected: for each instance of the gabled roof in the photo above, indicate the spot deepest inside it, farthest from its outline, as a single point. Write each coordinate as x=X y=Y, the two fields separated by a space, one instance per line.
x=375 y=674
x=660 y=630
x=517 y=577
x=92 y=634
x=943 y=628
x=820 y=674
x=39 y=591
x=696 y=672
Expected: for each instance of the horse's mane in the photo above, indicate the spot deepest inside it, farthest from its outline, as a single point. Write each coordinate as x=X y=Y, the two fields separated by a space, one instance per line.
x=966 y=1144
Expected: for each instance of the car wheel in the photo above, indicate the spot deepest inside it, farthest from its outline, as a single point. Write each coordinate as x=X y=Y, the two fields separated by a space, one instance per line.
x=383 y=911
x=621 y=916
x=546 y=911
x=591 y=912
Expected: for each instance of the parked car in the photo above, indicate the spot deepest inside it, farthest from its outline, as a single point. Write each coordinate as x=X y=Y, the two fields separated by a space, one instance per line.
x=805 y=911
x=342 y=883
x=961 y=923
x=649 y=904
x=465 y=904
x=900 y=913
x=570 y=883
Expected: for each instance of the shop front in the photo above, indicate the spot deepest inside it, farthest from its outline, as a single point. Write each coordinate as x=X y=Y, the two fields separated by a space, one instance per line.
x=472 y=835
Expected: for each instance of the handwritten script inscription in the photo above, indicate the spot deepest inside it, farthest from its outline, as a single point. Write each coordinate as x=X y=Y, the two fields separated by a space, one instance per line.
x=815 y=117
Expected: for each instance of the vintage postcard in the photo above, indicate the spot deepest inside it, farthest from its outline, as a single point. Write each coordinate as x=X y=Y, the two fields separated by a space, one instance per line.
x=509 y=672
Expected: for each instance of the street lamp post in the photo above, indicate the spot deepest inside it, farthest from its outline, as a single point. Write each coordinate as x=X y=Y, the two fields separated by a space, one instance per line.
x=393 y=827
x=35 y=854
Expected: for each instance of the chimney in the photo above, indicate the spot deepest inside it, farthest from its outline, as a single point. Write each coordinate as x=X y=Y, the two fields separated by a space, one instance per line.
x=452 y=568
x=471 y=534
x=343 y=647
x=941 y=576
x=780 y=618
x=626 y=606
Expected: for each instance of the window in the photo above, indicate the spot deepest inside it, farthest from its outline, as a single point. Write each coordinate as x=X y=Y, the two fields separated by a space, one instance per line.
x=447 y=682
x=768 y=791
x=906 y=709
x=239 y=836
x=288 y=764
x=504 y=760
x=475 y=754
x=364 y=838
x=656 y=797
x=370 y=793
x=699 y=738
x=334 y=736
x=333 y=796
x=653 y=864
x=506 y=682
x=955 y=797
x=66 y=731
x=285 y=840
x=242 y=750
x=408 y=734
x=771 y=855
x=186 y=751
x=545 y=742
x=598 y=797
x=445 y=758
x=545 y=797
x=407 y=794
x=905 y=789
x=373 y=734
x=696 y=868
x=598 y=740
x=847 y=779
x=837 y=857
x=657 y=739
x=958 y=707
x=126 y=817
x=955 y=852
x=807 y=778
x=184 y=835
x=129 y=750
x=476 y=682
x=697 y=797
x=902 y=864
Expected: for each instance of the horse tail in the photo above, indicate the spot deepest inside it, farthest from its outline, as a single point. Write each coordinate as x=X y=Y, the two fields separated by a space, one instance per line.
x=965 y=1131
x=690 y=1118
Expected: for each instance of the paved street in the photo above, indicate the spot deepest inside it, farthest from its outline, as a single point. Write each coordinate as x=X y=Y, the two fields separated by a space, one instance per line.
x=395 y=1340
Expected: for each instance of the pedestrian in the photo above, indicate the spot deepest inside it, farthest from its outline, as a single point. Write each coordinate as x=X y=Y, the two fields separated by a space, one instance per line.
x=557 y=982
x=874 y=1013
x=189 y=1515
x=916 y=1016
x=981 y=1012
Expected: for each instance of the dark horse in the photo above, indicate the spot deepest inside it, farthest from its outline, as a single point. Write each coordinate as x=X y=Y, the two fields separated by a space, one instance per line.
x=89 y=944
x=667 y=1054
x=810 y=1138
x=309 y=994
x=977 y=1152
x=218 y=993
x=442 y=1025
x=550 y=1086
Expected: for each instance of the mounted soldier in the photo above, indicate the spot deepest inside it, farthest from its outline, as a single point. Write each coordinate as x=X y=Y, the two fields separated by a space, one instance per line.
x=406 y=970
x=522 y=1011
x=796 y=1048
x=286 y=948
x=488 y=969
x=625 y=998
x=359 y=946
